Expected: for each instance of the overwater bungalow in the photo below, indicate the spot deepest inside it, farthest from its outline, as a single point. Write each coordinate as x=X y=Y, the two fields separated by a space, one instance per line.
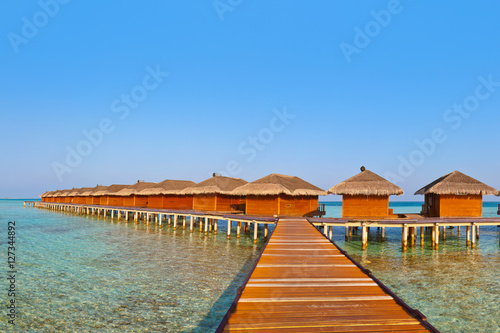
x=455 y=195
x=90 y=197
x=131 y=197
x=70 y=194
x=215 y=194
x=366 y=196
x=75 y=195
x=52 y=197
x=79 y=198
x=280 y=195
x=63 y=196
x=108 y=197
x=45 y=197
x=168 y=195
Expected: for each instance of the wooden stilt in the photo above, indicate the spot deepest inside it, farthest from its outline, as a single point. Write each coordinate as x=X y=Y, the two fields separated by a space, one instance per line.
x=191 y=223
x=436 y=236
x=477 y=231
x=216 y=222
x=405 y=237
x=183 y=222
x=364 y=238
x=238 y=230
x=175 y=222
x=266 y=230
x=422 y=236
x=228 y=229
x=255 y=227
x=467 y=236
x=330 y=232
x=383 y=234
x=473 y=237
x=206 y=226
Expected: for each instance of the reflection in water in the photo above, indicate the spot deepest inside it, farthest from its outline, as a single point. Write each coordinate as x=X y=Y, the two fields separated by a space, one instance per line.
x=456 y=287
x=89 y=274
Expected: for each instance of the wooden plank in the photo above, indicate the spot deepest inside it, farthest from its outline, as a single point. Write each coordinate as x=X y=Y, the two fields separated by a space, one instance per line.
x=303 y=283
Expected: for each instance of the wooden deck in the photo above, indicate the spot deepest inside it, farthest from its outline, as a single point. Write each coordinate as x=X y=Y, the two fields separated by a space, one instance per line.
x=304 y=283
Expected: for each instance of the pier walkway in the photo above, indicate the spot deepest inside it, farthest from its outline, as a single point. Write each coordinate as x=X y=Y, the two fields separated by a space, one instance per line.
x=303 y=283
x=206 y=220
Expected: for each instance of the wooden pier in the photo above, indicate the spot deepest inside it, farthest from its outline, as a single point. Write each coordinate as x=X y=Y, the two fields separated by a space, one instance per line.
x=412 y=228
x=206 y=221
x=303 y=283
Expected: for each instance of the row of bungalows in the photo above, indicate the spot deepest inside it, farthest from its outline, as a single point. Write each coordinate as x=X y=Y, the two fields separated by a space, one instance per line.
x=273 y=195
x=364 y=196
x=169 y=194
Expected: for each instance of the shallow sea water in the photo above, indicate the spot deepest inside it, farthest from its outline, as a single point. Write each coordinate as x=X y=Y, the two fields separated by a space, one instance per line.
x=83 y=274
x=79 y=274
x=457 y=288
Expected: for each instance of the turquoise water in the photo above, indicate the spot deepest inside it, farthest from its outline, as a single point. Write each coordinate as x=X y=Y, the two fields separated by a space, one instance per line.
x=79 y=274
x=457 y=288
x=83 y=274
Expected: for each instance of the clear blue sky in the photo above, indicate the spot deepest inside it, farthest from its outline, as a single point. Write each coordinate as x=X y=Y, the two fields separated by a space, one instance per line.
x=307 y=88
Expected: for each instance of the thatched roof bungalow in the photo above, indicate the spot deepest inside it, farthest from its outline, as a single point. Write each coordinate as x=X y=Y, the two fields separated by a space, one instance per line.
x=53 y=196
x=280 y=195
x=168 y=195
x=90 y=197
x=46 y=196
x=366 y=196
x=75 y=195
x=455 y=195
x=80 y=198
x=62 y=196
x=215 y=194
x=130 y=194
x=108 y=197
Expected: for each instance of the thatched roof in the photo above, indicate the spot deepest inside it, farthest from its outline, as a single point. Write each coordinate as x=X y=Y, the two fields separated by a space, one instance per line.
x=54 y=193
x=46 y=194
x=63 y=193
x=458 y=184
x=76 y=192
x=275 y=184
x=366 y=183
x=168 y=186
x=110 y=190
x=215 y=185
x=92 y=190
x=134 y=189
